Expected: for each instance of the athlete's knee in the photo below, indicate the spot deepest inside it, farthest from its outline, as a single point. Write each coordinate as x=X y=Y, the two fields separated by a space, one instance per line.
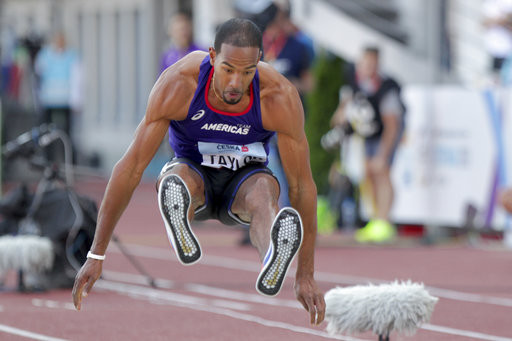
x=264 y=192
x=192 y=180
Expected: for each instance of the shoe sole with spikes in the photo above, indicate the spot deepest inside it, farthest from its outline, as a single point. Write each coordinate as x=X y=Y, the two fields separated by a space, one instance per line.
x=285 y=241
x=174 y=202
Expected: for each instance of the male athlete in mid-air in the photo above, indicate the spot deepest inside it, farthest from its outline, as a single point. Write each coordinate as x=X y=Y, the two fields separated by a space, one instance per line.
x=221 y=108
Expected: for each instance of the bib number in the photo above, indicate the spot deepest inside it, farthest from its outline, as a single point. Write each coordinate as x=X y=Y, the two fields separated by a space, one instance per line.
x=231 y=156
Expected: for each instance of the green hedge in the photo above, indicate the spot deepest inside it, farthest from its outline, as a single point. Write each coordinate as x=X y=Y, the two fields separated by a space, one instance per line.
x=321 y=104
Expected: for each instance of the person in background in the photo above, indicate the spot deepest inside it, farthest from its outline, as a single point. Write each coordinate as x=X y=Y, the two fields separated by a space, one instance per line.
x=505 y=76
x=181 y=35
x=293 y=59
x=505 y=200
x=58 y=69
x=370 y=105
x=497 y=21
x=285 y=49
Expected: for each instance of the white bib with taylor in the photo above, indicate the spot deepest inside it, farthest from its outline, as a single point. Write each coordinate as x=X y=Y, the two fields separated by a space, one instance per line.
x=232 y=156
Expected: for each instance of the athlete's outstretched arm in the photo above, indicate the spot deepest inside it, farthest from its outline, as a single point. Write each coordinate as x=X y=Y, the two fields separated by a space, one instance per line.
x=284 y=114
x=169 y=95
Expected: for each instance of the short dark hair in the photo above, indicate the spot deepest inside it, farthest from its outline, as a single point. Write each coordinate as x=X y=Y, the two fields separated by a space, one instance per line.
x=238 y=32
x=372 y=50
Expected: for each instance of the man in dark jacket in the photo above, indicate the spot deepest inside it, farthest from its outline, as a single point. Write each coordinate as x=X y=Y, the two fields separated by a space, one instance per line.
x=371 y=107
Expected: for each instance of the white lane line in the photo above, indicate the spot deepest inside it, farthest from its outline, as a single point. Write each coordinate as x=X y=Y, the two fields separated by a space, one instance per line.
x=466 y=333
x=439 y=292
x=136 y=279
x=155 y=295
x=236 y=264
x=256 y=298
x=159 y=295
x=27 y=334
x=231 y=305
x=37 y=302
x=207 y=290
x=236 y=295
x=465 y=297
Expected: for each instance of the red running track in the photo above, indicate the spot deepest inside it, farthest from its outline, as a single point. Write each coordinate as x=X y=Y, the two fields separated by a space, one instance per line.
x=216 y=300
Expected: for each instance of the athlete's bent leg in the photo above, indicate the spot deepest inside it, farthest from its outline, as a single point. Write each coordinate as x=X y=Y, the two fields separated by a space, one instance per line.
x=193 y=181
x=276 y=235
x=180 y=192
x=257 y=201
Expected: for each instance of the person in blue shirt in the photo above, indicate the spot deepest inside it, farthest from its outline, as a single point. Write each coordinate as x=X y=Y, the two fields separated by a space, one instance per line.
x=292 y=58
x=58 y=69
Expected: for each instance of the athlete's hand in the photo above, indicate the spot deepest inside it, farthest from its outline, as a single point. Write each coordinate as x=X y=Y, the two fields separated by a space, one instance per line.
x=85 y=279
x=311 y=298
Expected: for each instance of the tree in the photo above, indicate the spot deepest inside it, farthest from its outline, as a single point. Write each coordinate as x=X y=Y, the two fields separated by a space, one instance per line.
x=321 y=103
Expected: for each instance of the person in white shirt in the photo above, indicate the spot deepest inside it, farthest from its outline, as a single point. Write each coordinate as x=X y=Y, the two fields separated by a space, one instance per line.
x=497 y=20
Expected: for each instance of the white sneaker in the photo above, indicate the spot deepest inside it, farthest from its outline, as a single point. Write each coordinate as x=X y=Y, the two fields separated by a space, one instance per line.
x=174 y=202
x=285 y=240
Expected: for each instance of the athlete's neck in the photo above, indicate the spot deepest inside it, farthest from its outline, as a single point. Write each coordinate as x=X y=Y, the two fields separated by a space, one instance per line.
x=215 y=91
x=216 y=100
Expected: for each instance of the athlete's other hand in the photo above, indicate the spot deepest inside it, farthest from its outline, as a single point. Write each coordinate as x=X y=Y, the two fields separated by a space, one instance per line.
x=311 y=298
x=85 y=279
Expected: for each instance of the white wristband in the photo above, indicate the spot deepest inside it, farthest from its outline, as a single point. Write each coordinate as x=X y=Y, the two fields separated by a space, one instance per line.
x=93 y=256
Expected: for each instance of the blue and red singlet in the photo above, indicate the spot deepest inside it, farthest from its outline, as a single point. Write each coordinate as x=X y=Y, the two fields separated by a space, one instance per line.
x=215 y=138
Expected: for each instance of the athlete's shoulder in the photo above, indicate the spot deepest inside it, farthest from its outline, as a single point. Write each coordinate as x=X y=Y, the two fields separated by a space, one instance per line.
x=278 y=94
x=187 y=66
x=175 y=88
x=193 y=59
x=272 y=83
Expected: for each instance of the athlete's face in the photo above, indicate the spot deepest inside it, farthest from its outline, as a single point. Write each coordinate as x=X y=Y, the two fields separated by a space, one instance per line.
x=235 y=68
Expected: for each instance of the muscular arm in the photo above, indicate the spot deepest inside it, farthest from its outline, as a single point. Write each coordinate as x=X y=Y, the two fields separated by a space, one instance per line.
x=167 y=101
x=125 y=177
x=282 y=112
x=294 y=152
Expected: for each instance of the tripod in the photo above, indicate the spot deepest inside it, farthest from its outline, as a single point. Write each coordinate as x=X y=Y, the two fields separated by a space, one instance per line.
x=55 y=200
